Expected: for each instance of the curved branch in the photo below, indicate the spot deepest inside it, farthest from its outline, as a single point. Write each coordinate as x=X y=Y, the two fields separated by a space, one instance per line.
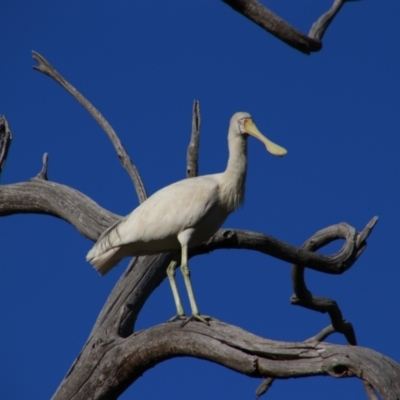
x=43 y=197
x=318 y=29
x=303 y=297
x=334 y=264
x=275 y=25
x=123 y=361
x=39 y=196
x=46 y=68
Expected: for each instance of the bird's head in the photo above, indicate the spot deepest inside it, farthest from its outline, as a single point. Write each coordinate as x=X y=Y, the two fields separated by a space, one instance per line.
x=242 y=124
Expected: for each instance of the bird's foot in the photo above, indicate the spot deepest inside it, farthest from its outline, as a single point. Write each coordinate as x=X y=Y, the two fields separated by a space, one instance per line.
x=196 y=317
x=181 y=317
x=185 y=319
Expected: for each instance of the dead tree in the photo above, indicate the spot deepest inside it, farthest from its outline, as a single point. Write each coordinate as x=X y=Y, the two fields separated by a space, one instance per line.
x=115 y=356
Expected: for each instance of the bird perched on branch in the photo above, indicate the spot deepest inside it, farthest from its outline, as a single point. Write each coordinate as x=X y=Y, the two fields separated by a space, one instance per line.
x=183 y=214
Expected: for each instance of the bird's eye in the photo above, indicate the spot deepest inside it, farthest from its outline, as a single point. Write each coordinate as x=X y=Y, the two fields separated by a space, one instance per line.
x=245 y=122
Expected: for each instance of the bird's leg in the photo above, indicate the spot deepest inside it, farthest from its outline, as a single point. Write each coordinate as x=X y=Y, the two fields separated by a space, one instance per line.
x=171 y=276
x=188 y=284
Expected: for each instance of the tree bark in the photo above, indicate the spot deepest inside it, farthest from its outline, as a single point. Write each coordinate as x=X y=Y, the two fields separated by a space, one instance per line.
x=122 y=361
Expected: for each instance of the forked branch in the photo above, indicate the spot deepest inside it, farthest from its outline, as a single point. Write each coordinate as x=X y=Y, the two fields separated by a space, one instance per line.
x=278 y=27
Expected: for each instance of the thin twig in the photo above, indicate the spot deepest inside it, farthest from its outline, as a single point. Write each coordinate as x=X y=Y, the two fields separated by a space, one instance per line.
x=192 y=169
x=265 y=385
x=5 y=141
x=319 y=27
x=366 y=232
x=46 y=68
x=43 y=173
x=322 y=335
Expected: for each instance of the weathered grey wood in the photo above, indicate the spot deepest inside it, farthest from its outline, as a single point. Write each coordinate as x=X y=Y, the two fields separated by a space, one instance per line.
x=303 y=296
x=46 y=68
x=192 y=168
x=39 y=196
x=124 y=360
x=275 y=25
x=5 y=141
x=115 y=324
x=43 y=172
x=319 y=28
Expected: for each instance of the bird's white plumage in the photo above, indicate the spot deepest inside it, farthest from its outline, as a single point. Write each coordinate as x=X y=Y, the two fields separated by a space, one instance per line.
x=183 y=214
x=154 y=226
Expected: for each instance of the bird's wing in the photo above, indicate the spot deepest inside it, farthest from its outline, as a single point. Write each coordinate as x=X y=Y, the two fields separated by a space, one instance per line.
x=166 y=213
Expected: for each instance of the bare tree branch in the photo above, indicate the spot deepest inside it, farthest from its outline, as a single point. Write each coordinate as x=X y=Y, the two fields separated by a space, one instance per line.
x=303 y=296
x=122 y=361
x=322 y=335
x=334 y=264
x=5 y=141
x=39 y=196
x=46 y=68
x=192 y=168
x=272 y=23
x=43 y=172
x=265 y=385
x=269 y=21
x=318 y=29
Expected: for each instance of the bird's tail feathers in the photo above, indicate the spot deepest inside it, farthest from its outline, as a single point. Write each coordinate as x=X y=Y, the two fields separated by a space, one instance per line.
x=103 y=261
x=104 y=255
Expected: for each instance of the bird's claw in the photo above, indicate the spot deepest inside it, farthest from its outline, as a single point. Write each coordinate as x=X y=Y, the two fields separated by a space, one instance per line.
x=177 y=317
x=194 y=317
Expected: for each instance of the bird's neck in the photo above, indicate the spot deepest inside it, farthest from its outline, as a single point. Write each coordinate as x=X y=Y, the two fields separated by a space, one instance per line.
x=233 y=185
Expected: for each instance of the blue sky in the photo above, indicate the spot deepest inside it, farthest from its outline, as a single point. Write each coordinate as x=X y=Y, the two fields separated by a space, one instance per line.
x=142 y=64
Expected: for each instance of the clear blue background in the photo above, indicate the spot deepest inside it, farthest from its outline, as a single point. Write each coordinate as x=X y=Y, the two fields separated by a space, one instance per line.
x=142 y=64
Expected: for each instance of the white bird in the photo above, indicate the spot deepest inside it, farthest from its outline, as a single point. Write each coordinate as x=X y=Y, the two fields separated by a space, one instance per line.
x=183 y=214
